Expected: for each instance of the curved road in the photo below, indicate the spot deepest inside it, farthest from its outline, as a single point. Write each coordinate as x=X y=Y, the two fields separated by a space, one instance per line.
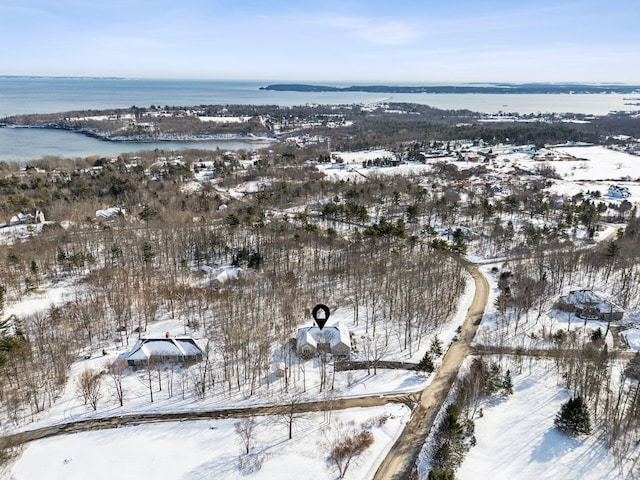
x=140 y=418
x=404 y=453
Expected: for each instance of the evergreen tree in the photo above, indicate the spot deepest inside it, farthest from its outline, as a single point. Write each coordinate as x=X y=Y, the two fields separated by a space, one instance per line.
x=450 y=429
x=426 y=364
x=494 y=381
x=450 y=450
x=596 y=336
x=441 y=474
x=436 y=346
x=441 y=456
x=573 y=417
x=507 y=383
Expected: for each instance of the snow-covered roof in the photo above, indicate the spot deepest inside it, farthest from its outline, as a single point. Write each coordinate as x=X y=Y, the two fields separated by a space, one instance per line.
x=109 y=212
x=331 y=334
x=618 y=191
x=587 y=298
x=305 y=338
x=223 y=274
x=21 y=217
x=145 y=348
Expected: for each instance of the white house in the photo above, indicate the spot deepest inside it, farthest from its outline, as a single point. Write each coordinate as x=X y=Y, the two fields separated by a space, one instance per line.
x=35 y=216
x=616 y=191
x=332 y=338
x=164 y=349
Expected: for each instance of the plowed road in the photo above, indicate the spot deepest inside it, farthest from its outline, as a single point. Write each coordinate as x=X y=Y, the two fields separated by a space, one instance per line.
x=403 y=454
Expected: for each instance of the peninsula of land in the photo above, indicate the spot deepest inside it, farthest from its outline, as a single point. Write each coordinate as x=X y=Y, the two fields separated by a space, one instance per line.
x=499 y=88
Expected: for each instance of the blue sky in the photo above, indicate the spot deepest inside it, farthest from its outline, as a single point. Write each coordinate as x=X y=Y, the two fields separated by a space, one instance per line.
x=350 y=40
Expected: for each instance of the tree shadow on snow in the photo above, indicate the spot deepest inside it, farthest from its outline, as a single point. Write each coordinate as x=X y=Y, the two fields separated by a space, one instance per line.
x=225 y=466
x=411 y=382
x=554 y=445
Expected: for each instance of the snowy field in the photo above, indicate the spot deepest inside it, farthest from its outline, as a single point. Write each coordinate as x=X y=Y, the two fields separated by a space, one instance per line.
x=352 y=169
x=593 y=168
x=516 y=437
x=599 y=163
x=198 y=450
x=517 y=440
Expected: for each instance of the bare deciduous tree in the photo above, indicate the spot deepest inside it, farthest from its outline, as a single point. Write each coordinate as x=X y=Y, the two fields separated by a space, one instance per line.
x=117 y=371
x=289 y=410
x=345 y=442
x=245 y=429
x=89 y=385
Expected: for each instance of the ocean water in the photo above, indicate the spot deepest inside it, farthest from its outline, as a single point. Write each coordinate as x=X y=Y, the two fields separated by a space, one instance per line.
x=23 y=95
x=24 y=144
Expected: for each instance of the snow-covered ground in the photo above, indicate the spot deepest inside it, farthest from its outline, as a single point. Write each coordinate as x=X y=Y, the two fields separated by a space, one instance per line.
x=533 y=331
x=600 y=163
x=351 y=167
x=510 y=443
x=209 y=449
x=516 y=437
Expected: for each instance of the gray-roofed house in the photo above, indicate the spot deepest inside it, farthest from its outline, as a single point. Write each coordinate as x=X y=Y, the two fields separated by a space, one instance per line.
x=334 y=339
x=590 y=306
x=179 y=349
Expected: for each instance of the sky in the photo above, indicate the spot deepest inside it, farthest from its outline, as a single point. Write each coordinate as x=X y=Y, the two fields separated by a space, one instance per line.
x=407 y=41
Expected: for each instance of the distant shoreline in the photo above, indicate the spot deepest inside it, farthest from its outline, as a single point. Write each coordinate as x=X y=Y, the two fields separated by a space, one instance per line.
x=502 y=88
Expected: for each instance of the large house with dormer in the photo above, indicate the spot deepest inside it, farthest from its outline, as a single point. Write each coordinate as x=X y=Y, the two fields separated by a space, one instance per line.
x=333 y=339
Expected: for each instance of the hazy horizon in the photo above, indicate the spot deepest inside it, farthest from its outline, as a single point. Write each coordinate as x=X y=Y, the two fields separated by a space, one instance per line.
x=347 y=82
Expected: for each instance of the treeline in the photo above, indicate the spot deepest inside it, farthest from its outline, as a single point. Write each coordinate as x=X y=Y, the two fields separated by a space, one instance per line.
x=364 y=128
x=75 y=189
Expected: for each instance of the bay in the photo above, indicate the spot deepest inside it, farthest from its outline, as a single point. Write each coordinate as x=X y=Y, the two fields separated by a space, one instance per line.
x=23 y=144
x=24 y=95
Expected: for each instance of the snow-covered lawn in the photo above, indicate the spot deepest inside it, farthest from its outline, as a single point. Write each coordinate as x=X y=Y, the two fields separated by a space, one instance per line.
x=516 y=437
x=632 y=335
x=351 y=167
x=208 y=450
